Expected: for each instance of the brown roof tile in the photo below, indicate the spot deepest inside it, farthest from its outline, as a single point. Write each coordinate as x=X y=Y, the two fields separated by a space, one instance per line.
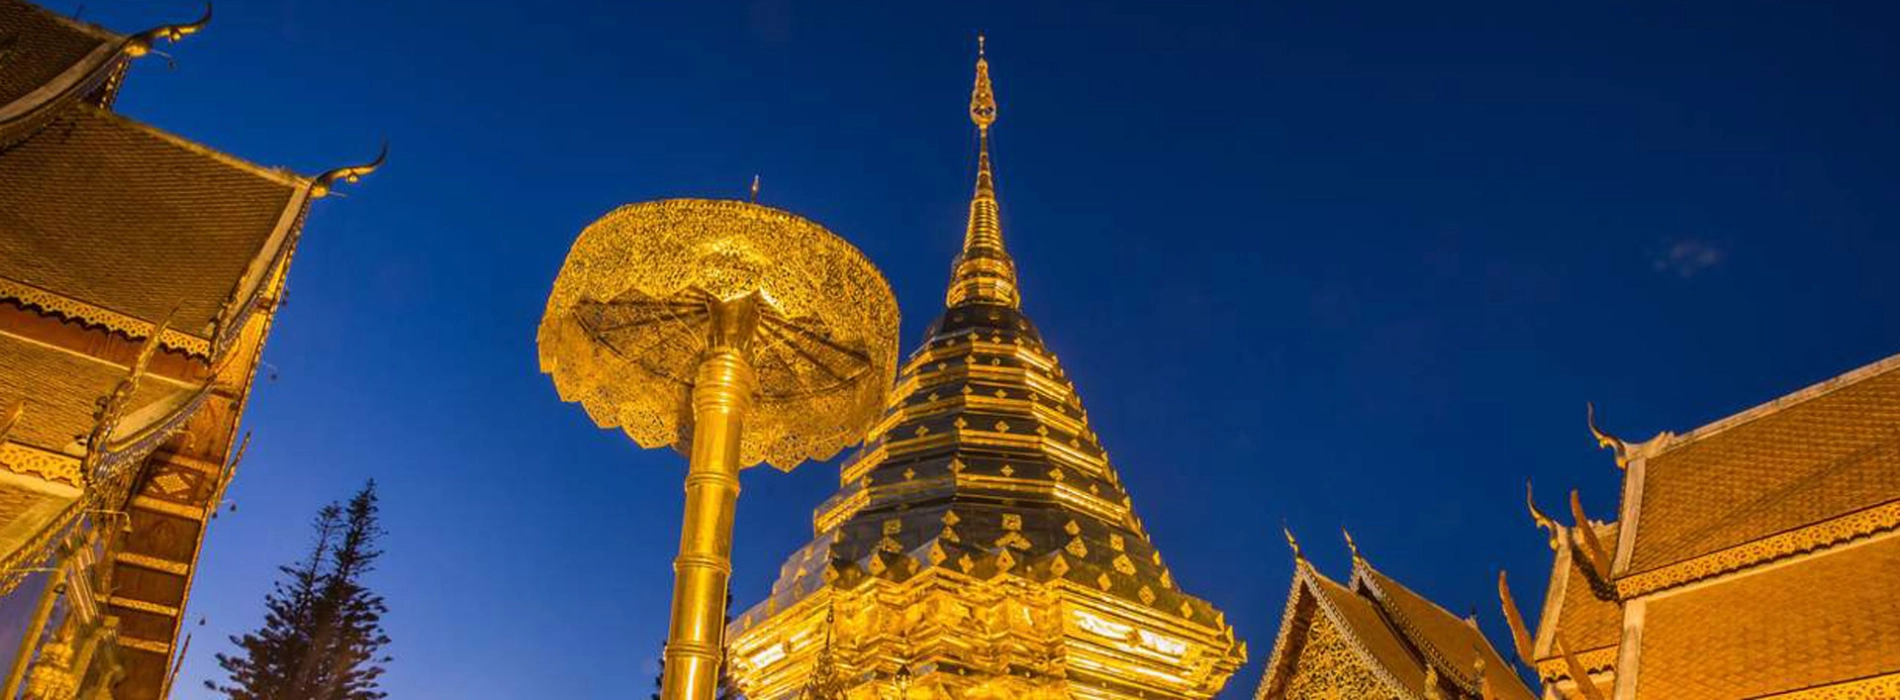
x=101 y=209
x=1827 y=452
x=1583 y=621
x=60 y=389
x=36 y=46
x=1827 y=619
x=1453 y=639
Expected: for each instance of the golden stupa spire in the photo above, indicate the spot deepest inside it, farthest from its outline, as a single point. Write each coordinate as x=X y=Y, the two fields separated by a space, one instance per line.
x=984 y=273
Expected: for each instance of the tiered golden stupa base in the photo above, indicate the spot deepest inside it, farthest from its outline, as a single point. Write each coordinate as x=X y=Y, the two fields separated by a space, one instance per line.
x=944 y=634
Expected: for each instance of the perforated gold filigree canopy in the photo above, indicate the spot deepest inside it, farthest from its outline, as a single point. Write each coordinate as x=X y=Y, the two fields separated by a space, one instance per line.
x=628 y=322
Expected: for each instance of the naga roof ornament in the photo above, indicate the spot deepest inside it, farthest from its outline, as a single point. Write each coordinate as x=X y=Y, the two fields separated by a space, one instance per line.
x=320 y=187
x=1626 y=452
x=140 y=44
x=1538 y=516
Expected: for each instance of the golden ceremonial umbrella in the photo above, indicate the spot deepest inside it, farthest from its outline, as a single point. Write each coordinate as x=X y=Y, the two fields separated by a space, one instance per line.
x=736 y=333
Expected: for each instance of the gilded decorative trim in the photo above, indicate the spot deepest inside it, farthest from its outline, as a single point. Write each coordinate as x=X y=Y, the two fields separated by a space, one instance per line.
x=1594 y=661
x=1857 y=524
x=45 y=464
x=148 y=645
x=1874 y=688
x=144 y=606
x=144 y=561
x=67 y=307
x=1278 y=655
x=1325 y=604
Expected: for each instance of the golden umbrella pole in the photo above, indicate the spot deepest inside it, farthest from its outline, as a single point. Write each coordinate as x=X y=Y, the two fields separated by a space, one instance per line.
x=722 y=392
x=738 y=333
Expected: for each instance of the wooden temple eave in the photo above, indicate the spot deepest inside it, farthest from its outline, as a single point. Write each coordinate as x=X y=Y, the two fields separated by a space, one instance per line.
x=180 y=490
x=1860 y=524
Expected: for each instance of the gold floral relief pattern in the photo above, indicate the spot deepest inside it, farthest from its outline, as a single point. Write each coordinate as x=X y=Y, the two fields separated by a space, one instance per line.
x=1885 y=687
x=1328 y=668
x=51 y=466
x=135 y=328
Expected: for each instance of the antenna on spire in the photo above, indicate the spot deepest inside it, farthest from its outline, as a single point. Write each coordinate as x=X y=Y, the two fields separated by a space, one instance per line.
x=755 y=189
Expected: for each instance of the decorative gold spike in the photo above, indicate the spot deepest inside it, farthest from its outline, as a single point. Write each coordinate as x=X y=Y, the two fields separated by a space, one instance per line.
x=1538 y=516
x=1520 y=635
x=755 y=189
x=982 y=96
x=983 y=272
x=1578 y=673
x=320 y=187
x=1350 y=545
x=1594 y=548
x=140 y=44
x=1292 y=541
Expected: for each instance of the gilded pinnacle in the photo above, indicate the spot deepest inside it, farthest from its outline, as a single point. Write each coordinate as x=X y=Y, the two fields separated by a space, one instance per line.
x=984 y=272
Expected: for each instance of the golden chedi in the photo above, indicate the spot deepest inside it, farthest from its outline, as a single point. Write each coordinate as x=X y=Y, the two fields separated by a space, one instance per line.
x=981 y=544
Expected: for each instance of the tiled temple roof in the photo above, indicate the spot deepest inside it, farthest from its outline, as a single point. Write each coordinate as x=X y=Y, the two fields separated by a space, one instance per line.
x=114 y=223
x=1822 y=453
x=1830 y=618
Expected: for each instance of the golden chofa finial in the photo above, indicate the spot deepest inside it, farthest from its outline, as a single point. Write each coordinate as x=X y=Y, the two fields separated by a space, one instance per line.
x=1291 y=541
x=1350 y=545
x=982 y=99
x=1606 y=440
x=141 y=43
x=320 y=187
x=1626 y=452
x=1538 y=516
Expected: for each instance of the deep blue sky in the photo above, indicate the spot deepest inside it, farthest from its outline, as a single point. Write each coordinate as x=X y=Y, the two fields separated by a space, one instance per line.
x=1342 y=263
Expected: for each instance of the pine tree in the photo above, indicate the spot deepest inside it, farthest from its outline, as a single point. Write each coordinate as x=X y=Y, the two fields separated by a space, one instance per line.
x=267 y=667
x=351 y=650
x=322 y=632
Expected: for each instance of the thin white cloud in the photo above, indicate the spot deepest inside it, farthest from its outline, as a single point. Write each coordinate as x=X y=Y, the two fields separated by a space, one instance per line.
x=1686 y=257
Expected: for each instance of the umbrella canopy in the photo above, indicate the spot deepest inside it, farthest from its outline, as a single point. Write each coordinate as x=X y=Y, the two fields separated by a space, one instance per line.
x=631 y=313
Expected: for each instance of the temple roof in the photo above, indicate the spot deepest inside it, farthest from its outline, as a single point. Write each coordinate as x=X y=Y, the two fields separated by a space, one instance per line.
x=1455 y=642
x=1397 y=631
x=1574 y=613
x=38 y=46
x=1359 y=618
x=60 y=390
x=1821 y=453
x=1829 y=618
x=115 y=223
